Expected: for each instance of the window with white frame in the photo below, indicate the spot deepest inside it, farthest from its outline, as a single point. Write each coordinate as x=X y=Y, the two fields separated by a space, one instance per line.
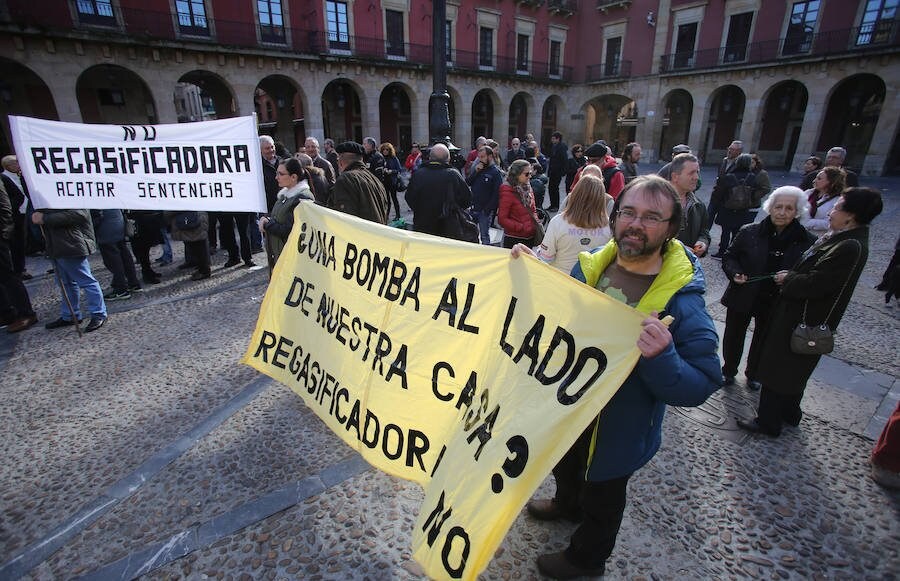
x=488 y=24
x=557 y=36
x=96 y=12
x=686 y=24
x=614 y=33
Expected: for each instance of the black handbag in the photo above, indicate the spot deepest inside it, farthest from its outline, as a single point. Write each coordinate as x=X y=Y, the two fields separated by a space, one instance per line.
x=456 y=222
x=818 y=339
x=187 y=220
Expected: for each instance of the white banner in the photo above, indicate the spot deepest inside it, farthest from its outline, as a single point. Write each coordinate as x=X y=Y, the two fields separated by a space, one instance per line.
x=208 y=166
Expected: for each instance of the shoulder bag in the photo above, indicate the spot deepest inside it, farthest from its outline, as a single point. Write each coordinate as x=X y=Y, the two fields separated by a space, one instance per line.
x=539 y=229
x=818 y=339
x=455 y=222
x=741 y=196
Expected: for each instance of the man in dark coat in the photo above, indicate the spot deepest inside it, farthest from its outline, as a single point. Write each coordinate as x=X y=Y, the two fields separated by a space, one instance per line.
x=485 y=182
x=428 y=189
x=835 y=157
x=15 y=306
x=372 y=157
x=357 y=190
x=559 y=153
x=270 y=168
x=19 y=199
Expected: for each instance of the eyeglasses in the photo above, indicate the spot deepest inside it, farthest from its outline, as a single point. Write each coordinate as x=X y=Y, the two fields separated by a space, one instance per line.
x=650 y=221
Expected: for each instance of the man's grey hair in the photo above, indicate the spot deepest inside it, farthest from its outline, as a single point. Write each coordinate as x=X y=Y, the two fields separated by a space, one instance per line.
x=679 y=160
x=8 y=159
x=329 y=142
x=305 y=160
x=439 y=152
x=480 y=141
x=266 y=139
x=791 y=192
x=838 y=151
x=739 y=144
x=313 y=139
x=371 y=141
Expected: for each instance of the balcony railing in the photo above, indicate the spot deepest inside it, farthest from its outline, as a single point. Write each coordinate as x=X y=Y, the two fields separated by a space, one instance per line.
x=607 y=71
x=156 y=25
x=562 y=7
x=878 y=36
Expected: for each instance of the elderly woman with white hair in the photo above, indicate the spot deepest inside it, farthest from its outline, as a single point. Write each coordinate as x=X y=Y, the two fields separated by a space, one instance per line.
x=750 y=262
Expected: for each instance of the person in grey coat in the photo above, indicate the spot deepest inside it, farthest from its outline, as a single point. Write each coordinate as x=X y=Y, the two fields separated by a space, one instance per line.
x=70 y=240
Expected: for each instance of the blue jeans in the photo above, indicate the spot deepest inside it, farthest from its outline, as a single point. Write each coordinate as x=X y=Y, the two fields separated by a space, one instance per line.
x=167 y=247
x=483 y=217
x=75 y=273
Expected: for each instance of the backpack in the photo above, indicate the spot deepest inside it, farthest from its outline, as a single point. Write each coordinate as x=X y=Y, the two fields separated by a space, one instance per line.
x=741 y=196
x=608 y=174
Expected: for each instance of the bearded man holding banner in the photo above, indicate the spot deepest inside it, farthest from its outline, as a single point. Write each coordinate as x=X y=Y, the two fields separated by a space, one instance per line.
x=647 y=267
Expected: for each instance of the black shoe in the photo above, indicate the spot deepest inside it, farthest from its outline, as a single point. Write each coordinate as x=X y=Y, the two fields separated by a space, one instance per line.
x=136 y=288
x=553 y=209
x=754 y=427
x=753 y=385
x=256 y=250
x=21 y=324
x=185 y=266
x=558 y=566
x=60 y=322
x=232 y=262
x=249 y=264
x=200 y=275
x=729 y=380
x=718 y=255
x=25 y=276
x=96 y=323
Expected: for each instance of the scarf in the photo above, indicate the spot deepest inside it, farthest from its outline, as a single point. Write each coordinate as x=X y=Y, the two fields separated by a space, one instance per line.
x=526 y=196
x=293 y=192
x=815 y=199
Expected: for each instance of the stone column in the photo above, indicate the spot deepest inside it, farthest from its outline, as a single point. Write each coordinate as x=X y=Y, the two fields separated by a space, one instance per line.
x=882 y=140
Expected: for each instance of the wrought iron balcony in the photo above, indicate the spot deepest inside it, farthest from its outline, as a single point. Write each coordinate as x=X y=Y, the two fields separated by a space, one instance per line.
x=871 y=37
x=604 y=5
x=562 y=7
x=608 y=71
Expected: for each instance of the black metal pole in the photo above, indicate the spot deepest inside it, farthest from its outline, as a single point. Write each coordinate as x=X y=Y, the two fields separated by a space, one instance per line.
x=439 y=103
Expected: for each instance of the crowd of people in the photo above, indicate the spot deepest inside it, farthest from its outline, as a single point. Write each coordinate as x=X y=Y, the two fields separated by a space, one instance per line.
x=792 y=256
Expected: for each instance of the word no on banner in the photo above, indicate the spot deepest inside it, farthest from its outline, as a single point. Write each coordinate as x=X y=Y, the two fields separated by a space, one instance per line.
x=442 y=362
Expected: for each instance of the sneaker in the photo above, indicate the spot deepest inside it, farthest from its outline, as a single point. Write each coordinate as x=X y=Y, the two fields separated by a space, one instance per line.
x=114 y=295
x=136 y=289
x=96 y=322
x=60 y=322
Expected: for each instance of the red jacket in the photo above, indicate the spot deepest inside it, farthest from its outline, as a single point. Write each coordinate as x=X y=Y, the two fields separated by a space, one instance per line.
x=411 y=159
x=617 y=183
x=513 y=216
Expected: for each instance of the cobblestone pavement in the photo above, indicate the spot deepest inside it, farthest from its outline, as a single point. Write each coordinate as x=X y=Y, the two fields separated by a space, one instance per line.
x=145 y=450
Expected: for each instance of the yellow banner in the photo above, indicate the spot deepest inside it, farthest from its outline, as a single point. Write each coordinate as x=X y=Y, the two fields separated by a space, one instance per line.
x=443 y=362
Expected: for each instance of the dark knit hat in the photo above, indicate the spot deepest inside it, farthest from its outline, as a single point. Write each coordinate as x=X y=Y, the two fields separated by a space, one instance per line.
x=350 y=147
x=596 y=151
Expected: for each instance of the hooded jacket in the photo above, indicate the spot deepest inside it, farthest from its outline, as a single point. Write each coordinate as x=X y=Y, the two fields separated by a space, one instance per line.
x=628 y=431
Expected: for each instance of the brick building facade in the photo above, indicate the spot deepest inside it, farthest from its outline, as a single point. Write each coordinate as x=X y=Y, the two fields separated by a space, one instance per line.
x=787 y=77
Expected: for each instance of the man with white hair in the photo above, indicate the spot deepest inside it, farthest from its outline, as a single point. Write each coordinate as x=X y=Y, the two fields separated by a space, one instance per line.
x=836 y=157
x=311 y=147
x=18 y=197
x=270 y=169
x=428 y=189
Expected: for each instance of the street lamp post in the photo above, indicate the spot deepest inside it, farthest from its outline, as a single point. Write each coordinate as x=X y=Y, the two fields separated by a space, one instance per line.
x=439 y=103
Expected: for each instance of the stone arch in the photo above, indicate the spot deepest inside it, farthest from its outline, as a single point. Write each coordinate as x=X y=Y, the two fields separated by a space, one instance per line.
x=113 y=94
x=852 y=113
x=612 y=118
x=484 y=105
x=725 y=116
x=678 y=108
x=280 y=110
x=342 y=110
x=553 y=113
x=29 y=96
x=519 y=106
x=395 y=112
x=783 y=111
x=212 y=92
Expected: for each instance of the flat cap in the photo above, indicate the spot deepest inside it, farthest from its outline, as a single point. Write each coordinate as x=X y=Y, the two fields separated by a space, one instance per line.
x=350 y=147
x=681 y=148
x=596 y=151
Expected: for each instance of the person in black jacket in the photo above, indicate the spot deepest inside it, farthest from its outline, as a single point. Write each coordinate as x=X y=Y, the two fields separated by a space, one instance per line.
x=557 y=166
x=15 y=306
x=485 y=182
x=759 y=251
x=428 y=190
x=731 y=215
x=573 y=164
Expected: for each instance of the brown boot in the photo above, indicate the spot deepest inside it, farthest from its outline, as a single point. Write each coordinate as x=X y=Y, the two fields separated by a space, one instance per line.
x=558 y=566
x=549 y=509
